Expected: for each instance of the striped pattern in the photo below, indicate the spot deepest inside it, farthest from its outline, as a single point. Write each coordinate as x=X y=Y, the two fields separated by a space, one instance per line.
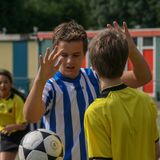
x=66 y=101
x=20 y=58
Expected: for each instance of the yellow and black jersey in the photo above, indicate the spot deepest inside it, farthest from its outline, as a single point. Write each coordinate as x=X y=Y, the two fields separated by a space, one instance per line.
x=121 y=125
x=11 y=110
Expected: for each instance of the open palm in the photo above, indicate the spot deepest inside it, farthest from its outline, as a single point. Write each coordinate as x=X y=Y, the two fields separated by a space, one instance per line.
x=49 y=64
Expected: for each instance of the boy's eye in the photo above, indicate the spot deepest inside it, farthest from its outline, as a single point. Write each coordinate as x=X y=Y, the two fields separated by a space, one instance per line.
x=76 y=55
x=73 y=55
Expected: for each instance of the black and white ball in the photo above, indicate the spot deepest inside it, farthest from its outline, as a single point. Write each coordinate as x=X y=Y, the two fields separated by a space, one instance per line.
x=41 y=144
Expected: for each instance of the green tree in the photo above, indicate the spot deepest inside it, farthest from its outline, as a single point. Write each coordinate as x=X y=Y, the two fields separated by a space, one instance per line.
x=142 y=13
x=21 y=16
x=11 y=12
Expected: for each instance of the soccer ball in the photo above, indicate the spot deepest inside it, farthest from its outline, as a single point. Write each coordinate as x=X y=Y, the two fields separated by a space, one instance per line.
x=41 y=144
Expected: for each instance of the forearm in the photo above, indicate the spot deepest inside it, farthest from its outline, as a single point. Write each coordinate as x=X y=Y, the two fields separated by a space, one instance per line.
x=10 y=128
x=140 y=74
x=34 y=106
x=140 y=67
x=15 y=127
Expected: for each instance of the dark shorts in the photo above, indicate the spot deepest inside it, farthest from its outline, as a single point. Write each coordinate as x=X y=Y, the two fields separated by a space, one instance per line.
x=11 y=142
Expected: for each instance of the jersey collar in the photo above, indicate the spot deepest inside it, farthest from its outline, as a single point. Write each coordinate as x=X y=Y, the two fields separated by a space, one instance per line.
x=58 y=75
x=106 y=91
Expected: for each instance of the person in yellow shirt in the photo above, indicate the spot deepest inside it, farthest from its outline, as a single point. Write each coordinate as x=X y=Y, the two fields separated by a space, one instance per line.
x=121 y=123
x=12 y=122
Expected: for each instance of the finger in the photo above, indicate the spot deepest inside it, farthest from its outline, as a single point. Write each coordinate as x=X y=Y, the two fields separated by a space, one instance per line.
x=47 y=54
x=109 y=26
x=115 y=24
x=125 y=27
x=4 y=132
x=53 y=52
x=9 y=133
x=41 y=60
x=57 y=65
x=117 y=27
x=55 y=56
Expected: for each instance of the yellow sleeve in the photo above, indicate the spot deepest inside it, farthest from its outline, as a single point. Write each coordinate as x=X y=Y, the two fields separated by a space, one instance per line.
x=155 y=118
x=19 y=110
x=97 y=136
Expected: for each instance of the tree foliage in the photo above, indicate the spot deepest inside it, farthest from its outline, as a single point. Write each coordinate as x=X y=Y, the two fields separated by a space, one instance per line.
x=141 y=13
x=21 y=16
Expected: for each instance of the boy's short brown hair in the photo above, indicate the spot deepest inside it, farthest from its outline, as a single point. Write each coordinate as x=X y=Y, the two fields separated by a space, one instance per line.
x=108 y=53
x=70 y=31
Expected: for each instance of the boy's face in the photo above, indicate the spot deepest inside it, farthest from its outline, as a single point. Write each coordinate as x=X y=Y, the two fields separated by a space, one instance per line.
x=72 y=56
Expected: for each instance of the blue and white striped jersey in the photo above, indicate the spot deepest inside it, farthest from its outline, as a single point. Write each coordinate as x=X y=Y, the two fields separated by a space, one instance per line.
x=66 y=101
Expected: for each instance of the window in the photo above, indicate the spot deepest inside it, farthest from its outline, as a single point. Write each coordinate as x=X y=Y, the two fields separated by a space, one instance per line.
x=148 y=41
x=135 y=40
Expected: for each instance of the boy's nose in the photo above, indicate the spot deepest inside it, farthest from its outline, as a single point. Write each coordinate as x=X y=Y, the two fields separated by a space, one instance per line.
x=69 y=59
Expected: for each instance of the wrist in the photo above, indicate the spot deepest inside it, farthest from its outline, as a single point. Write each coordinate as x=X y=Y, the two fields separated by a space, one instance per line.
x=39 y=81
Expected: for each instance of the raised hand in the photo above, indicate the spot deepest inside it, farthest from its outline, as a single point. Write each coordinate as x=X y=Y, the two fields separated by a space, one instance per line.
x=133 y=78
x=124 y=29
x=49 y=64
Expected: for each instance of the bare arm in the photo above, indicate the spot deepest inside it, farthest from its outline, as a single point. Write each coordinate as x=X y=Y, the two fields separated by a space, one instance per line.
x=34 y=106
x=141 y=73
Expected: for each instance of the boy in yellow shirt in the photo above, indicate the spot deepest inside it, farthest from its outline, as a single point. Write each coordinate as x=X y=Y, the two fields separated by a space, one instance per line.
x=121 y=123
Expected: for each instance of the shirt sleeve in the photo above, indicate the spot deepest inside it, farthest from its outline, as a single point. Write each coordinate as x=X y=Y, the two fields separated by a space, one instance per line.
x=48 y=94
x=98 y=136
x=155 y=120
